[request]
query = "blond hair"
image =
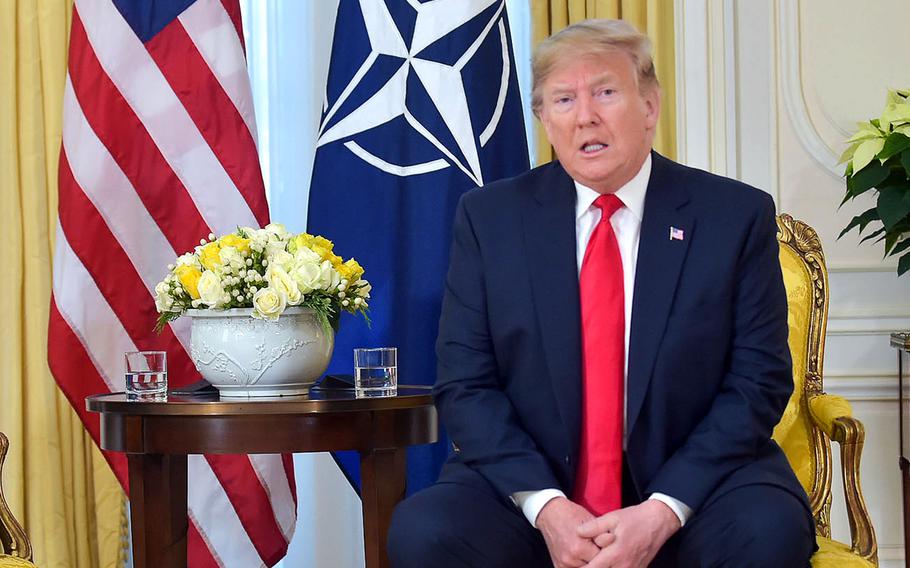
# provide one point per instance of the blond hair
(592, 37)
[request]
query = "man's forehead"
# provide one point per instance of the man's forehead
(589, 79)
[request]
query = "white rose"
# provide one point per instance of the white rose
(282, 282)
(281, 258)
(329, 277)
(188, 259)
(230, 256)
(258, 239)
(306, 255)
(307, 276)
(211, 293)
(268, 304)
(163, 299)
(275, 247)
(278, 230)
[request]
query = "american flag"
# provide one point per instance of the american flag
(159, 149)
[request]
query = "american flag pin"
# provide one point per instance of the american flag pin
(676, 234)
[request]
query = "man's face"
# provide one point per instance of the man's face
(600, 124)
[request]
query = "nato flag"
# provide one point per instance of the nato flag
(422, 104)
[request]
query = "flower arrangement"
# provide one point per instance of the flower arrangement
(267, 270)
(878, 157)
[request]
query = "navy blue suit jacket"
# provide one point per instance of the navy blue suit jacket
(709, 369)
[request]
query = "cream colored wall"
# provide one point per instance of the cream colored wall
(768, 91)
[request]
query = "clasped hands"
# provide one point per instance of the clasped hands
(625, 538)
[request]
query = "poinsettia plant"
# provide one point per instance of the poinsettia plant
(878, 159)
(268, 270)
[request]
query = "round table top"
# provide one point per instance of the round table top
(318, 401)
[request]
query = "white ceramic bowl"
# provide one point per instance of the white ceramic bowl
(247, 357)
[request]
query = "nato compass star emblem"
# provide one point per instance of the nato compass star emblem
(442, 81)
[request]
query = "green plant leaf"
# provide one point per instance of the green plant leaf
(848, 153)
(894, 114)
(872, 235)
(900, 247)
(866, 152)
(905, 161)
(860, 221)
(893, 205)
(894, 144)
(903, 265)
(865, 131)
(867, 178)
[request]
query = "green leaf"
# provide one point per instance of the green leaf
(901, 247)
(866, 152)
(848, 153)
(867, 178)
(894, 113)
(903, 265)
(893, 205)
(860, 221)
(905, 161)
(894, 144)
(872, 235)
(865, 131)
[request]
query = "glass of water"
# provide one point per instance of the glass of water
(376, 372)
(146, 375)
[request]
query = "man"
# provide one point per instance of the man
(612, 349)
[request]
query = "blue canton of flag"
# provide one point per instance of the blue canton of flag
(422, 104)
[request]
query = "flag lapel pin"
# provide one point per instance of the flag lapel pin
(676, 234)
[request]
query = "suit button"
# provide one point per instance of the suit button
(568, 460)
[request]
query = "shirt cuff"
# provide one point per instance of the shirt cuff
(682, 511)
(531, 502)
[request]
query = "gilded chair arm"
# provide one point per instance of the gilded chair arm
(13, 540)
(833, 415)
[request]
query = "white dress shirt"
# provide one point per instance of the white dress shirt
(626, 223)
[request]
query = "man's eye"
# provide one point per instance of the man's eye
(563, 100)
(607, 92)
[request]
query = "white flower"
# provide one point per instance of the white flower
(363, 289)
(329, 277)
(188, 259)
(282, 282)
(281, 258)
(163, 299)
(268, 304)
(307, 276)
(211, 292)
(278, 230)
(231, 257)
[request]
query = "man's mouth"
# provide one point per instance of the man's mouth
(593, 147)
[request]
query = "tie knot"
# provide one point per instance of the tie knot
(608, 204)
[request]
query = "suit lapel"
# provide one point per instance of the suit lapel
(660, 260)
(549, 227)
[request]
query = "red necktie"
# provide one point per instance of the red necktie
(598, 481)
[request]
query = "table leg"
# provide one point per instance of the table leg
(382, 476)
(158, 509)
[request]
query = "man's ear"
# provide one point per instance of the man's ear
(652, 106)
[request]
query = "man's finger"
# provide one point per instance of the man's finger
(600, 525)
(604, 540)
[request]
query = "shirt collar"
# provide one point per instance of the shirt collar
(632, 194)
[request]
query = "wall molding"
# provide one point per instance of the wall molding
(859, 388)
(791, 87)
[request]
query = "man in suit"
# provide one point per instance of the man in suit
(612, 349)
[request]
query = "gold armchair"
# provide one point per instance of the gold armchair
(812, 418)
(15, 549)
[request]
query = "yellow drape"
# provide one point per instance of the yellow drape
(652, 17)
(56, 480)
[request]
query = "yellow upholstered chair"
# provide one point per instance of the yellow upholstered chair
(15, 549)
(812, 418)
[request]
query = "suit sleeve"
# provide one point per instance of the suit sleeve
(758, 382)
(475, 410)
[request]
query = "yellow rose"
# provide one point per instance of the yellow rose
(239, 243)
(189, 278)
(351, 270)
(268, 304)
(323, 242)
(210, 256)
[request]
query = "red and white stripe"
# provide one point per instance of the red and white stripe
(159, 149)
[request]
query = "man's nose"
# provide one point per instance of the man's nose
(586, 113)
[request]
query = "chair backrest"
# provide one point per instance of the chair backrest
(13, 540)
(806, 280)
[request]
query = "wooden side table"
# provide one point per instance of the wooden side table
(901, 341)
(157, 436)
